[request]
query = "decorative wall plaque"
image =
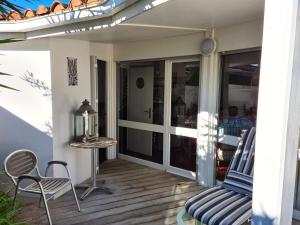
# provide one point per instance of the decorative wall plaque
(72, 71)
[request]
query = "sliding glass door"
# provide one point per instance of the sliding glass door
(158, 109)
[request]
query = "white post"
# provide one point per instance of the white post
(278, 115)
(207, 121)
(111, 100)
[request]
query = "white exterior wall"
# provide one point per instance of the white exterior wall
(276, 145)
(26, 115)
(240, 36)
(158, 48)
(66, 100)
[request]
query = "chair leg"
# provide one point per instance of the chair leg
(46, 206)
(75, 196)
(40, 201)
(15, 197)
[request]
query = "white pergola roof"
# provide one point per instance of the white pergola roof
(138, 19)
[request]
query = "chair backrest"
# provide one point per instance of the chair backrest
(243, 159)
(19, 163)
(239, 177)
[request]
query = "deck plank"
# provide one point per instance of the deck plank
(142, 195)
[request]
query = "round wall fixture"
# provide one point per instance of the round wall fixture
(208, 46)
(140, 82)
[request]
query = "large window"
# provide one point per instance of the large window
(238, 103)
(239, 92)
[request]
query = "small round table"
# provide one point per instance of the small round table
(99, 142)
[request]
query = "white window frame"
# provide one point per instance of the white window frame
(180, 131)
(166, 129)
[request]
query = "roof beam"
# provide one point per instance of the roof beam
(12, 35)
(163, 27)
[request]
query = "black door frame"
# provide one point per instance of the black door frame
(102, 105)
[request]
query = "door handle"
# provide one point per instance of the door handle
(149, 112)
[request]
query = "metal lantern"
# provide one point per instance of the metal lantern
(85, 123)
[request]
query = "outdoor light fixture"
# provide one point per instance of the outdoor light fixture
(85, 123)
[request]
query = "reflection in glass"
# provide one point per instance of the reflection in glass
(141, 144)
(142, 91)
(239, 92)
(297, 183)
(183, 152)
(297, 189)
(185, 89)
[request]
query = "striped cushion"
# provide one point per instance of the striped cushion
(243, 159)
(219, 206)
(230, 203)
(238, 182)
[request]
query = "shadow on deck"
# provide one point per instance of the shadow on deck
(142, 195)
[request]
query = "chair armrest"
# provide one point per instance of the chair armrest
(63, 163)
(57, 162)
(30, 177)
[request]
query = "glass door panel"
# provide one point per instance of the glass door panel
(142, 92)
(141, 144)
(141, 109)
(184, 112)
(183, 152)
(185, 90)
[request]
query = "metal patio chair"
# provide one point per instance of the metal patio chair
(21, 164)
(231, 202)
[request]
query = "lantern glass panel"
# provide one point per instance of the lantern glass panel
(92, 128)
(79, 127)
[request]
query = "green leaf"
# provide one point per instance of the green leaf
(6, 6)
(8, 40)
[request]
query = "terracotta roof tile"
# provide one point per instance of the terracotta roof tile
(14, 15)
(29, 13)
(91, 2)
(76, 3)
(42, 10)
(56, 7)
(2, 17)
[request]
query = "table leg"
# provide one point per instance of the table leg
(93, 186)
(94, 165)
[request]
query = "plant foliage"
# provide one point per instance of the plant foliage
(7, 214)
(7, 5)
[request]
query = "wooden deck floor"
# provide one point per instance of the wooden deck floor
(142, 195)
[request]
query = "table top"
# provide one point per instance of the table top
(99, 142)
